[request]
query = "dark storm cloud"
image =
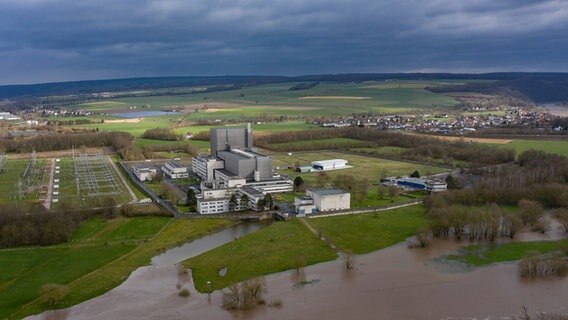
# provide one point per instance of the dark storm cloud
(49, 40)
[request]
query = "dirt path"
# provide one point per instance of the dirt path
(322, 238)
(47, 203)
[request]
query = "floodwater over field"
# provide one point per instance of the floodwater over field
(393, 283)
(144, 114)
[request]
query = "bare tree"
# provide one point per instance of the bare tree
(245, 295)
(349, 260)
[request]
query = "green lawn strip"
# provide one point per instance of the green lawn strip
(480, 255)
(107, 276)
(361, 166)
(97, 229)
(88, 229)
(27, 270)
(324, 144)
(363, 233)
(549, 146)
(273, 249)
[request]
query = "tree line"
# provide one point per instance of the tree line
(166, 134)
(53, 142)
(537, 176)
(36, 226)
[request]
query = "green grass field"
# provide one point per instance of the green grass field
(362, 166)
(323, 144)
(29, 191)
(100, 256)
(480, 255)
(273, 249)
(550, 146)
(364, 233)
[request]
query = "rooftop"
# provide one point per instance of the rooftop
(329, 161)
(328, 191)
(252, 191)
(174, 164)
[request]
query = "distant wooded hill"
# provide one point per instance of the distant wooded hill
(539, 87)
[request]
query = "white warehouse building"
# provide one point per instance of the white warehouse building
(329, 164)
(329, 199)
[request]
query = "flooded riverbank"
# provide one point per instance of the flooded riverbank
(393, 283)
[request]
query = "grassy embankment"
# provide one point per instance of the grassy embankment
(368, 232)
(481, 255)
(273, 249)
(284, 245)
(100, 255)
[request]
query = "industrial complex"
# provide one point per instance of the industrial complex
(234, 175)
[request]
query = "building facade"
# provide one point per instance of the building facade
(322, 200)
(144, 173)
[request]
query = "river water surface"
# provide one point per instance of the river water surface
(393, 283)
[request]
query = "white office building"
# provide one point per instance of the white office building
(144, 173)
(175, 170)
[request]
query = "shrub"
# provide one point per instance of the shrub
(53, 294)
(184, 293)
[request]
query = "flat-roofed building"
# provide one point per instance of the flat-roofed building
(175, 170)
(433, 185)
(143, 172)
(330, 199)
(304, 205)
(332, 164)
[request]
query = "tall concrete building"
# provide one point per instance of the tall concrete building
(235, 167)
(224, 139)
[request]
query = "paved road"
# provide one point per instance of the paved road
(359, 211)
(157, 200)
(121, 176)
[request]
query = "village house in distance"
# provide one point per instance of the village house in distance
(234, 176)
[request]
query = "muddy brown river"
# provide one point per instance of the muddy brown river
(393, 283)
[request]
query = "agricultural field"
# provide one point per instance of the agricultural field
(102, 253)
(333, 143)
(368, 232)
(551, 146)
(277, 99)
(361, 166)
(279, 247)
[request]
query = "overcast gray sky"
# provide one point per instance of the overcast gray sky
(57, 40)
